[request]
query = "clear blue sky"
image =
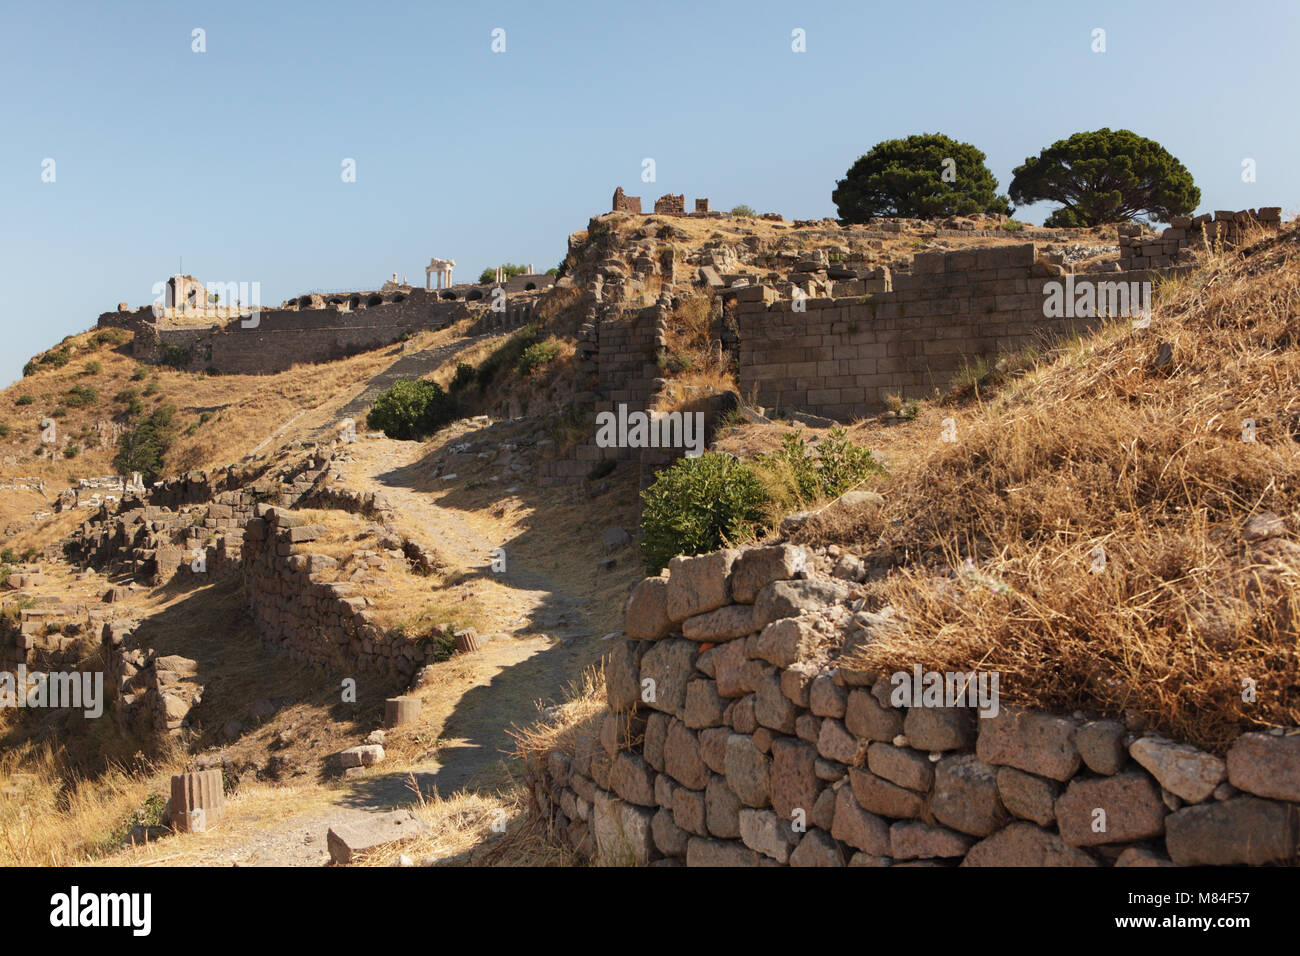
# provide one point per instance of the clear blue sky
(231, 158)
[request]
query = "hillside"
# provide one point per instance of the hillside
(1089, 515)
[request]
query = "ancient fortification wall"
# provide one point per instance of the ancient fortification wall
(324, 624)
(842, 356)
(739, 732)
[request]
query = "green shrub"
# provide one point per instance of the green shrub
(176, 356)
(30, 368)
(26, 400)
(92, 368)
(140, 374)
(463, 378)
(699, 505)
(745, 212)
(59, 412)
(109, 337)
(56, 358)
(795, 477)
(151, 388)
(489, 275)
(80, 396)
(537, 355)
(412, 409)
(507, 356)
(144, 448)
(72, 451)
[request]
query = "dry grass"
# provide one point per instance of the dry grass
(1107, 448)
(58, 818)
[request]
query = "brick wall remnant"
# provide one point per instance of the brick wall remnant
(671, 205)
(625, 203)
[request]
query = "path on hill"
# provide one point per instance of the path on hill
(411, 365)
(553, 641)
(545, 641)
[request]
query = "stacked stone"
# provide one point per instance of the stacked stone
(735, 734)
(324, 624)
(1173, 245)
(841, 357)
(149, 696)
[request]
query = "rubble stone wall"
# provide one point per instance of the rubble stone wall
(325, 624)
(738, 732)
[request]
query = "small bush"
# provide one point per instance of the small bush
(140, 374)
(80, 396)
(745, 212)
(72, 451)
(412, 409)
(57, 358)
(795, 478)
(489, 274)
(92, 368)
(59, 412)
(507, 356)
(109, 337)
(176, 356)
(4, 431)
(151, 388)
(26, 400)
(537, 355)
(463, 378)
(699, 505)
(30, 368)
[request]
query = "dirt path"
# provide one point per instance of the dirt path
(543, 640)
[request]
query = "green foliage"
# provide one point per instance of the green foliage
(151, 389)
(144, 448)
(795, 477)
(56, 358)
(130, 397)
(176, 356)
(537, 355)
(412, 409)
(71, 451)
(743, 211)
(109, 337)
(1106, 176)
(489, 275)
(59, 412)
(4, 431)
(463, 378)
(507, 356)
(140, 374)
(699, 505)
(80, 396)
(30, 368)
(906, 177)
(26, 400)
(92, 367)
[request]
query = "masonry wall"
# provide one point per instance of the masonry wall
(842, 356)
(738, 732)
(326, 625)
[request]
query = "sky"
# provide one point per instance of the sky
(231, 161)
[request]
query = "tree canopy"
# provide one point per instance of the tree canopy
(925, 176)
(1106, 176)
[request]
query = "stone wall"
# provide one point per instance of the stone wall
(150, 696)
(841, 357)
(326, 625)
(1139, 251)
(739, 732)
(671, 205)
